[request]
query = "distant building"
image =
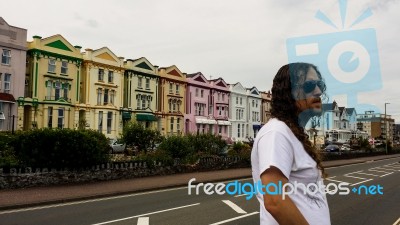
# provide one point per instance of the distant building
(377, 125)
(220, 107)
(265, 107)
(12, 73)
(238, 112)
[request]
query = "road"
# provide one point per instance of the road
(175, 206)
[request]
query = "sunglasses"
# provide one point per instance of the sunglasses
(309, 86)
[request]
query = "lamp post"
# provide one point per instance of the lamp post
(386, 130)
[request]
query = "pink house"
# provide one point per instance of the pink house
(198, 117)
(220, 106)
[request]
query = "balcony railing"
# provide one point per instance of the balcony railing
(56, 98)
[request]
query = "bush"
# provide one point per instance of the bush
(177, 147)
(141, 138)
(207, 144)
(61, 148)
(7, 153)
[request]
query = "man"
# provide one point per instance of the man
(282, 155)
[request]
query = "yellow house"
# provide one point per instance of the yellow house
(51, 84)
(172, 100)
(101, 92)
(141, 92)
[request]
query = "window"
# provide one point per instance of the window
(197, 92)
(219, 96)
(219, 129)
(172, 124)
(99, 96)
(109, 122)
(52, 66)
(100, 122)
(139, 84)
(178, 126)
(101, 75)
(57, 90)
(240, 101)
(50, 117)
(173, 105)
(6, 57)
(106, 96)
(60, 123)
(201, 93)
(49, 86)
(238, 134)
(143, 101)
(138, 101)
(177, 89)
(112, 96)
(237, 100)
(64, 67)
(223, 97)
(147, 83)
(170, 88)
(252, 103)
(110, 76)
(169, 105)
(66, 86)
(7, 83)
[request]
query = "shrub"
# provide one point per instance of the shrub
(61, 148)
(7, 153)
(139, 137)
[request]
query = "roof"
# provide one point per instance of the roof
(350, 110)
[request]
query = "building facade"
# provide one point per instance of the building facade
(198, 118)
(265, 107)
(238, 112)
(100, 96)
(141, 92)
(12, 73)
(219, 107)
(172, 101)
(51, 85)
(377, 125)
(254, 111)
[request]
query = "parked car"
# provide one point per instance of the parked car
(345, 147)
(116, 146)
(332, 148)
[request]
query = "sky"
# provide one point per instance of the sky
(240, 41)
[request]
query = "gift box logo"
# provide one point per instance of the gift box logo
(348, 60)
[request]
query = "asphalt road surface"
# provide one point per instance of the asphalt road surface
(364, 204)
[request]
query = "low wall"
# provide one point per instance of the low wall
(32, 177)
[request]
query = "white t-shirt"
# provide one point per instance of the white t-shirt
(276, 145)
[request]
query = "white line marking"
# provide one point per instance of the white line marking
(146, 214)
(379, 171)
(397, 222)
(361, 182)
(240, 195)
(386, 174)
(88, 201)
(143, 221)
(381, 168)
(234, 218)
(369, 174)
(360, 178)
(330, 179)
(234, 207)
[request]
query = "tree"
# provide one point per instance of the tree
(137, 136)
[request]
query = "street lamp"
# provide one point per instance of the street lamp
(386, 135)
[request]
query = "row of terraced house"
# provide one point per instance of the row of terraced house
(48, 82)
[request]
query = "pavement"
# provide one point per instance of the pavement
(37, 196)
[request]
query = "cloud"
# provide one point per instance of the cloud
(92, 23)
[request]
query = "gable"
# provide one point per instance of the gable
(200, 79)
(144, 65)
(239, 88)
(106, 56)
(59, 45)
(254, 92)
(221, 84)
(174, 73)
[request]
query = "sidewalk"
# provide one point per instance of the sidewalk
(19, 198)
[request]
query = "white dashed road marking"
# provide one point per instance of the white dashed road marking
(146, 214)
(397, 222)
(143, 221)
(234, 218)
(234, 207)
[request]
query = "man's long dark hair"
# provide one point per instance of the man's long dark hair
(284, 108)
